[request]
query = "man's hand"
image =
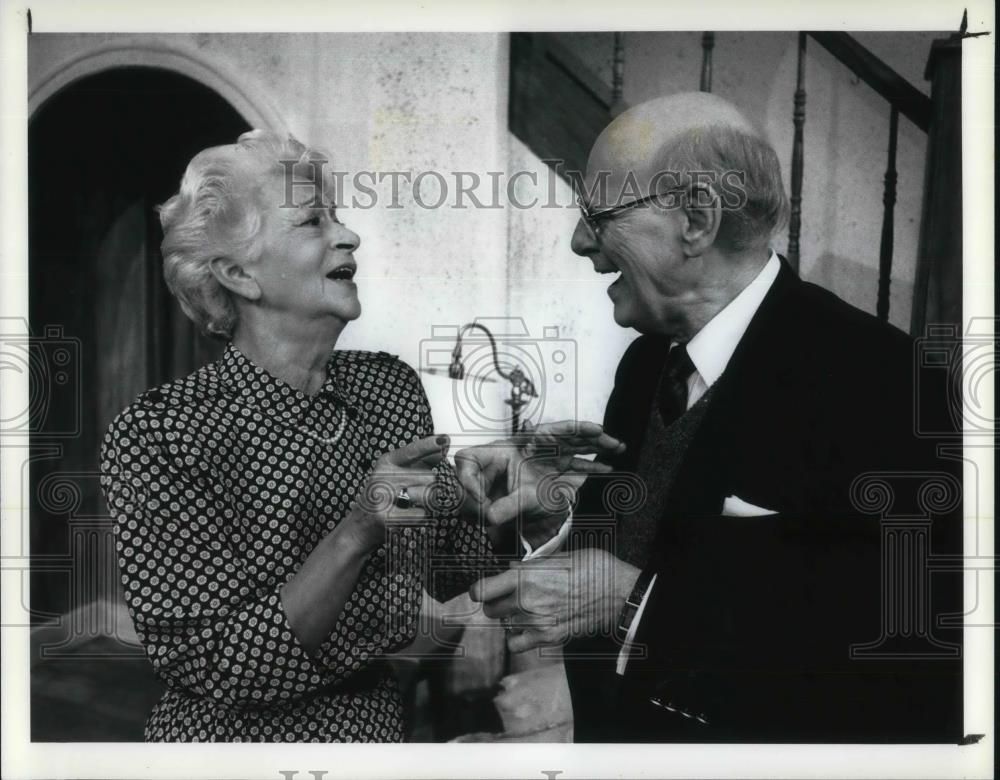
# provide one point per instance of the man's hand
(534, 475)
(551, 600)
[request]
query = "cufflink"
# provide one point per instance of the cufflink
(671, 707)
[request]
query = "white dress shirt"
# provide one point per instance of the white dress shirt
(710, 350)
(552, 545)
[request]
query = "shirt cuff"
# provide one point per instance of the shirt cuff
(552, 545)
(626, 650)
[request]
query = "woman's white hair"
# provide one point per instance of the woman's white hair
(216, 213)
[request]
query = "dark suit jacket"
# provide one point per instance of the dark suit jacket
(749, 629)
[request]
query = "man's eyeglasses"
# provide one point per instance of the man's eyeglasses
(595, 219)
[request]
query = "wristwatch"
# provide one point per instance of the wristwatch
(632, 604)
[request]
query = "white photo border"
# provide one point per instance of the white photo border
(21, 758)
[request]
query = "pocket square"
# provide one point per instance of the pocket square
(734, 506)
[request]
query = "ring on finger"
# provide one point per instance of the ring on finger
(403, 499)
(506, 624)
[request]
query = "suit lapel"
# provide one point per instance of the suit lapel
(745, 390)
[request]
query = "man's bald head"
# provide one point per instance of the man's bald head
(636, 139)
(689, 132)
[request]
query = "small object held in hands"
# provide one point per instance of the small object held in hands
(403, 500)
(505, 623)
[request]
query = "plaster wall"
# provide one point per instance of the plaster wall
(412, 103)
(380, 103)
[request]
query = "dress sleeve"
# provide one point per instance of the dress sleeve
(461, 552)
(207, 626)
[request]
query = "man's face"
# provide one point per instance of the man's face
(642, 246)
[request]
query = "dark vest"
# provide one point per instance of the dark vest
(660, 458)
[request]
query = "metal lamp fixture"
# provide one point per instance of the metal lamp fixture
(521, 387)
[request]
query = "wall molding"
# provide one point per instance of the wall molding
(155, 54)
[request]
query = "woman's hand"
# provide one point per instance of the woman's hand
(314, 598)
(410, 468)
(535, 475)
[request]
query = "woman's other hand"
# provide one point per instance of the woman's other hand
(408, 473)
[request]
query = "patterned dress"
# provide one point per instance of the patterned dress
(221, 484)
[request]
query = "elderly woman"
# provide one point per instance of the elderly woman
(252, 498)
(278, 513)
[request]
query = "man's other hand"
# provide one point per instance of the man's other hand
(547, 601)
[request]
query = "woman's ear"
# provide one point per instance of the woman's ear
(232, 275)
(702, 217)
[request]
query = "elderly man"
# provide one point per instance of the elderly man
(742, 597)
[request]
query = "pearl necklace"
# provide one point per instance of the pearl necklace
(328, 440)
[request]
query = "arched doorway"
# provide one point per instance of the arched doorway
(102, 153)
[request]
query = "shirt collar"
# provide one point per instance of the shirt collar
(711, 347)
(261, 389)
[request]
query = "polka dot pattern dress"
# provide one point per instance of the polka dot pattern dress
(221, 484)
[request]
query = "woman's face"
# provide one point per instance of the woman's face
(306, 265)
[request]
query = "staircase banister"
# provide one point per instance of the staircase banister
(900, 93)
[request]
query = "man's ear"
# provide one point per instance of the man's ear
(702, 217)
(233, 276)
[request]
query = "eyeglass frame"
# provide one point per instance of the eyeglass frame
(592, 219)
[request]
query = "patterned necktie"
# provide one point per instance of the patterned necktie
(673, 395)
